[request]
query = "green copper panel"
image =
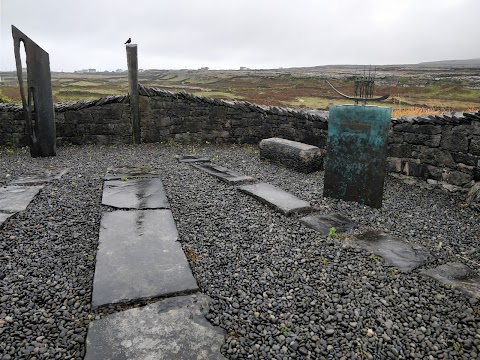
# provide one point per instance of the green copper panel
(357, 153)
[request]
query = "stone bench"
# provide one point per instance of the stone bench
(292, 154)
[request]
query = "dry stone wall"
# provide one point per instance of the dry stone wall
(441, 149)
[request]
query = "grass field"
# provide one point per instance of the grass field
(413, 91)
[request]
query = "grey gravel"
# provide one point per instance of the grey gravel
(278, 287)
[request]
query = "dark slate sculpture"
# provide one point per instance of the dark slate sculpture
(38, 108)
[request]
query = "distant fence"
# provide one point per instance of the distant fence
(443, 148)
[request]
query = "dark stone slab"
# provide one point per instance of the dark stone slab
(192, 158)
(4, 217)
(17, 198)
(36, 95)
(394, 251)
(139, 257)
(323, 223)
(140, 193)
(357, 153)
(130, 172)
(292, 154)
(174, 328)
(276, 198)
(40, 177)
(223, 173)
(458, 276)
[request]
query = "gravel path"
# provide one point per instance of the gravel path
(279, 289)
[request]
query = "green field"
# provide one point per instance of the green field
(412, 89)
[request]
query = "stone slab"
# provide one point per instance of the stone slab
(140, 193)
(130, 172)
(174, 328)
(458, 276)
(292, 154)
(224, 174)
(356, 158)
(40, 177)
(17, 198)
(276, 198)
(4, 217)
(139, 258)
(394, 251)
(323, 223)
(192, 158)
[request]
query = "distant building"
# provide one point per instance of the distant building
(244, 68)
(92, 70)
(119, 70)
(204, 68)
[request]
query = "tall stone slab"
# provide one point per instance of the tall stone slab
(37, 98)
(357, 153)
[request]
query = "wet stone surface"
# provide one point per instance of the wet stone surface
(174, 328)
(17, 198)
(224, 174)
(40, 177)
(139, 257)
(136, 193)
(4, 217)
(130, 172)
(192, 158)
(394, 251)
(276, 198)
(323, 223)
(458, 276)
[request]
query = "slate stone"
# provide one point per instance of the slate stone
(223, 173)
(458, 276)
(292, 154)
(276, 198)
(191, 158)
(40, 177)
(323, 223)
(4, 217)
(17, 198)
(394, 251)
(140, 193)
(174, 328)
(139, 257)
(130, 172)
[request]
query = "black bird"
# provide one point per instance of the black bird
(128, 41)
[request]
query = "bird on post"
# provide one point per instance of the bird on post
(128, 41)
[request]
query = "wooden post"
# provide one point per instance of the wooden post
(132, 62)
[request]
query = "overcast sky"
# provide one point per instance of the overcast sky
(227, 34)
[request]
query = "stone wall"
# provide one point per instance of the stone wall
(442, 149)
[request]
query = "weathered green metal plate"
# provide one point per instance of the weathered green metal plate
(357, 153)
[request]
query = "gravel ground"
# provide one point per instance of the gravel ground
(279, 289)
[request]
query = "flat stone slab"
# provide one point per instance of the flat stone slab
(4, 217)
(323, 223)
(139, 258)
(458, 276)
(394, 251)
(174, 328)
(17, 198)
(276, 198)
(292, 154)
(40, 177)
(192, 158)
(135, 193)
(130, 172)
(223, 173)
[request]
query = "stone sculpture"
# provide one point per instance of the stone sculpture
(37, 98)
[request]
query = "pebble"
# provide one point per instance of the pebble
(285, 290)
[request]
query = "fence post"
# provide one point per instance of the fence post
(132, 62)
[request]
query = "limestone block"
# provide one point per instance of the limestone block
(295, 155)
